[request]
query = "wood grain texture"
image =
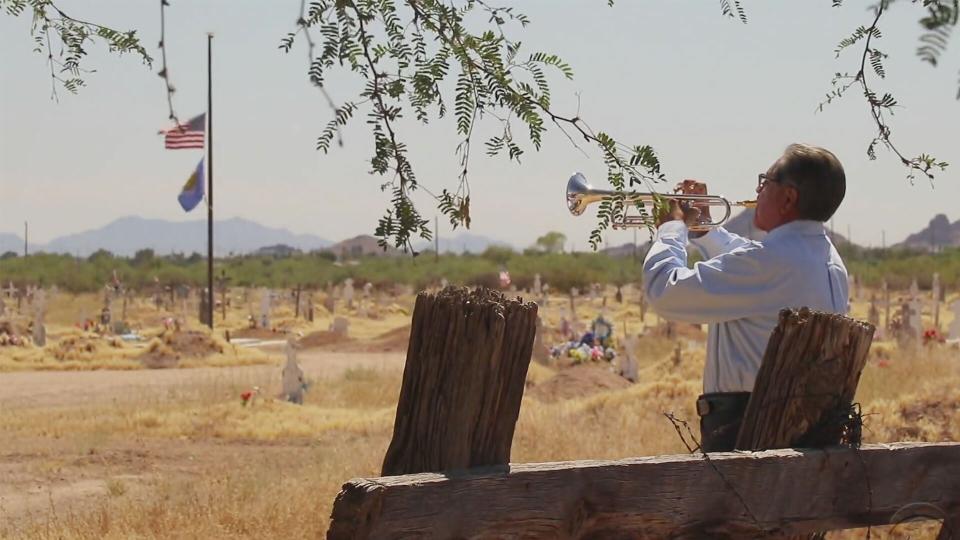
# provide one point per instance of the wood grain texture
(808, 377)
(463, 381)
(788, 491)
(950, 530)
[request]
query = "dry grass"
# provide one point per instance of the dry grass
(345, 425)
(212, 468)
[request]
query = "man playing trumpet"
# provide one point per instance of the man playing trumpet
(741, 286)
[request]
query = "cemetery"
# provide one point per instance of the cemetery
(309, 378)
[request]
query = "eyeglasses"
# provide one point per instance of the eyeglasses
(763, 179)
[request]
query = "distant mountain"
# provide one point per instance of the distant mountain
(938, 233)
(126, 235)
(463, 242)
(11, 242)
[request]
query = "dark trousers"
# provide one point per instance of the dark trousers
(721, 414)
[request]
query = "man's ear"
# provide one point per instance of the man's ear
(791, 199)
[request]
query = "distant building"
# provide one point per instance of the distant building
(362, 246)
(278, 250)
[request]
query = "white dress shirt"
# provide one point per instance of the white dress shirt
(740, 289)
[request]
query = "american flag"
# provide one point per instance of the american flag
(189, 135)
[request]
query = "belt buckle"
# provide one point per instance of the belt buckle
(703, 406)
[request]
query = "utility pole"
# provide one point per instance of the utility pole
(25, 236)
(883, 239)
(436, 238)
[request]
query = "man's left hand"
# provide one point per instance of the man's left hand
(676, 211)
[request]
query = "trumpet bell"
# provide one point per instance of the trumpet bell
(577, 190)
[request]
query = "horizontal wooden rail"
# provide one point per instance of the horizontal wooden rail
(742, 494)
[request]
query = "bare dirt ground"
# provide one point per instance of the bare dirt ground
(66, 388)
(49, 476)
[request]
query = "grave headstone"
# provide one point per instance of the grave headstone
(265, 302)
(935, 293)
(540, 353)
(915, 319)
(954, 329)
(914, 289)
(566, 329)
(340, 327)
(330, 303)
(40, 311)
(444, 283)
(292, 377)
(886, 305)
(537, 285)
(627, 359)
(873, 314)
(574, 292)
(348, 292)
(367, 289)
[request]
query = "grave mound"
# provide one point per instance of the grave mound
(166, 350)
(578, 381)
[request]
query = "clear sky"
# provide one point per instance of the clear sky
(717, 99)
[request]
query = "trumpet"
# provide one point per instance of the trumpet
(580, 195)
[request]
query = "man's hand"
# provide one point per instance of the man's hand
(679, 211)
(695, 187)
(691, 214)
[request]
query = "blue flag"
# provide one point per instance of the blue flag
(192, 192)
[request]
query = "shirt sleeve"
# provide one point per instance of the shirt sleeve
(744, 282)
(719, 241)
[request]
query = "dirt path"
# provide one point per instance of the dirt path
(65, 388)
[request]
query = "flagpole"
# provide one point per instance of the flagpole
(210, 181)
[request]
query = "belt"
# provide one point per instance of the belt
(718, 402)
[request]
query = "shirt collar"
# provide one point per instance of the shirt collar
(799, 227)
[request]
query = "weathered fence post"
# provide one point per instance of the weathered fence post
(804, 390)
(463, 381)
